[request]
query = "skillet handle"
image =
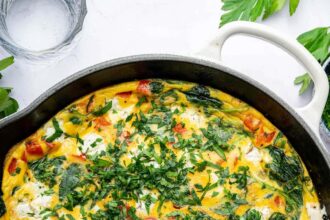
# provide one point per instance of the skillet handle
(312, 112)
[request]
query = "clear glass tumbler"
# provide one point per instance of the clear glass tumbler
(40, 30)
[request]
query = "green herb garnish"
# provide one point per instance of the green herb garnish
(8, 105)
(58, 131)
(102, 110)
(251, 10)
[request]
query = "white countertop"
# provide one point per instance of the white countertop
(115, 28)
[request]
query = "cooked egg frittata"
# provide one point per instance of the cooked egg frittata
(157, 149)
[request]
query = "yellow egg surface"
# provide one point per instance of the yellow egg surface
(157, 149)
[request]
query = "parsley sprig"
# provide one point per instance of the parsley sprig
(8, 105)
(251, 10)
(316, 41)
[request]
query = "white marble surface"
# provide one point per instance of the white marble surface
(128, 27)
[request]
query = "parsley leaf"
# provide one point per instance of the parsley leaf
(252, 214)
(277, 216)
(47, 169)
(293, 6)
(4, 63)
(103, 110)
(58, 131)
(240, 178)
(8, 105)
(251, 10)
(305, 81)
(316, 41)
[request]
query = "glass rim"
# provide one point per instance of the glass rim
(19, 51)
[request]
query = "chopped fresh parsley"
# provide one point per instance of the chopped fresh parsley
(228, 208)
(277, 216)
(46, 170)
(252, 214)
(58, 131)
(102, 110)
(75, 120)
(240, 177)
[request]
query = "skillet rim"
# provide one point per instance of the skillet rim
(165, 57)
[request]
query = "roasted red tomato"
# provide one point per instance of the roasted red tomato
(81, 157)
(178, 128)
(124, 95)
(144, 87)
(50, 145)
(263, 138)
(278, 201)
(101, 122)
(252, 123)
(12, 166)
(33, 148)
(24, 157)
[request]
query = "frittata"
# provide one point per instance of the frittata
(157, 149)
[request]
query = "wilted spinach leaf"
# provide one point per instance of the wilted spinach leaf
(283, 168)
(200, 95)
(288, 172)
(156, 87)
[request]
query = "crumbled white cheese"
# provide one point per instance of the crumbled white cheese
(39, 202)
(22, 209)
(153, 164)
(133, 153)
(254, 155)
(117, 112)
(194, 117)
(214, 177)
(93, 144)
(314, 211)
(265, 212)
(95, 208)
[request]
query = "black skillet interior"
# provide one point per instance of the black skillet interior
(19, 129)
